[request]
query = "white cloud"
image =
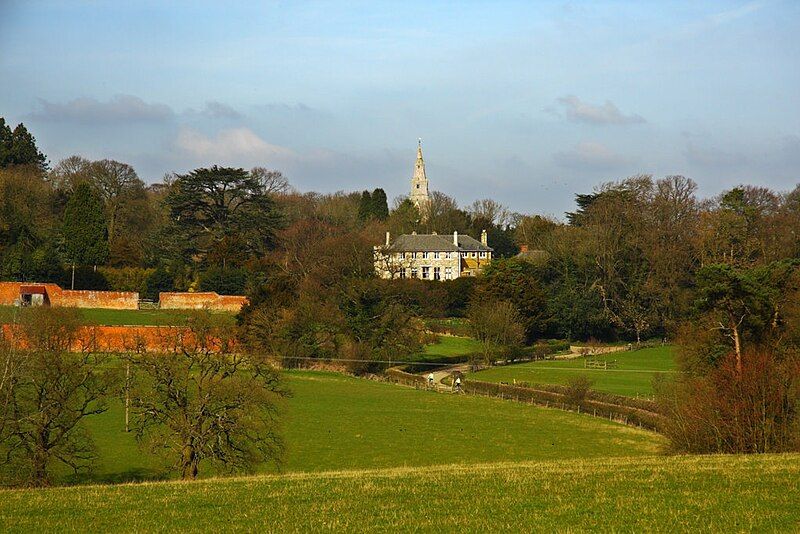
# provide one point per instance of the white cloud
(121, 108)
(590, 155)
(608, 113)
(235, 146)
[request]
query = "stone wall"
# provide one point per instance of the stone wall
(201, 301)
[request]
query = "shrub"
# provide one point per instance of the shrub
(127, 278)
(755, 410)
(224, 281)
(578, 388)
(86, 278)
(159, 281)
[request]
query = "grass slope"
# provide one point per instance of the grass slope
(337, 422)
(632, 376)
(666, 494)
(101, 316)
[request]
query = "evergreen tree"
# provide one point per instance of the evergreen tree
(85, 231)
(365, 206)
(19, 147)
(379, 205)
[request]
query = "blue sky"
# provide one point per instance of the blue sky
(524, 102)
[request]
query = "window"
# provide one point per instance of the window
(463, 254)
(471, 254)
(447, 255)
(483, 254)
(402, 273)
(448, 273)
(437, 273)
(414, 255)
(413, 272)
(426, 273)
(435, 255)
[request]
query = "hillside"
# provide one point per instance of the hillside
(336, 422)
(631, 374)
(663, 494)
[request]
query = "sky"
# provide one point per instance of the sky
(524, 102)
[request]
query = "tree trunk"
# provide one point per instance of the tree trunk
(188, 463)
(737, 347)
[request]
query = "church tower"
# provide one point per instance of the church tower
(419, 184)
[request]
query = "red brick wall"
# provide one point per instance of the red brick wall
(199, 301)
(120, 338)
(9, 292)
(118, 300)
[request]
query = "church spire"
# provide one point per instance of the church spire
(419, 183)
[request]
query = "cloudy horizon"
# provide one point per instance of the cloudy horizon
(527, 104)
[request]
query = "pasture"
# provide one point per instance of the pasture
(632, 375)
(654, 494)
(336, 422)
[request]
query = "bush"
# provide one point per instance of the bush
(159, 281)
(755, 410)
(127, 278)
(224, 281)
(577, 388)
(86, 278)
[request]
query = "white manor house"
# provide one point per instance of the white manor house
(430, 256)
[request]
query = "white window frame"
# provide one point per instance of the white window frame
(437, 273)
(414, 272)
(426, 271)
(435, 255)
(483, 254)
(448, 273)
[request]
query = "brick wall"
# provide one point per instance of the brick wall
(120, 338)
(199, 301)
(118, 300)
(9, 293)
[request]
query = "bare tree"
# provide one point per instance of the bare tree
(51, 393)
(207, 401)
(496, 325)
(272, 181)
(115, 181)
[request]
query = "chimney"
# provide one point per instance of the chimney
(387, 239)
(484, 238)
(455, 237)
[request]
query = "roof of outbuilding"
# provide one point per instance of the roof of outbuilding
(437, 243)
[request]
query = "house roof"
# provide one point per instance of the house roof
(437, 243)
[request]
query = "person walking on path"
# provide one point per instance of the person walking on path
(430, 380)
(457, 384)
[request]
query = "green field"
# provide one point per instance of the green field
(100, 316)
(633, 375)
(449, 346)
(337, 422)
(656, 494)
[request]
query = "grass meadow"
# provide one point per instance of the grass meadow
(336, 422)
(654, 494)
(107, 317)
(632, 376)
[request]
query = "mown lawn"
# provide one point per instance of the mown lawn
(663, 494)
(99, 316)
(337, 422)
(633, 375)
